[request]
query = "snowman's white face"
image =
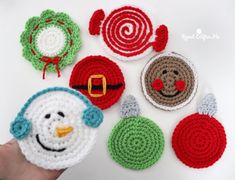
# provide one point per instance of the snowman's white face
(59, 138)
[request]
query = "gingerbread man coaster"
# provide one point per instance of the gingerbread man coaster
(199, 140)
(98, 78)
(50, 41)
(127, 33)
(169, 81)
(135, 142)
(56, 128)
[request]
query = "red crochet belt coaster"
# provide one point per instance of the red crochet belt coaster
(127, 33)
(98, 78)
(199, 140)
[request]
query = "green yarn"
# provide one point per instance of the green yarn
(31, 30)
(136, 143)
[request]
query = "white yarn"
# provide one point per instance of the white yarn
(208, 105)
(78, 143)
(168, 108)
(129, 107)
(124, 58)
(50, 41)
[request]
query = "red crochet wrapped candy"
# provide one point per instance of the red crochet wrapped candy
(127, 32)
(199, 140)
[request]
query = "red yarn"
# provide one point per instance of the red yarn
(161, 38)
(95, 22)
(98, 65)
(157, 85)
(120, 38)
(199, 140)
(49, 60)
(127, 31)
(180, 85)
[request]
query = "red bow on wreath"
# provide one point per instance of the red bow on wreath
(55, 60)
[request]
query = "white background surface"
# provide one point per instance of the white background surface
(214, 60)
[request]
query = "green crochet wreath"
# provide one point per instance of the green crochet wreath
(136, 143)
(62, 24)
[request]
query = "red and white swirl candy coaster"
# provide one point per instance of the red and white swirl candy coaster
(98, 78)
(127, 33)
(199, 140)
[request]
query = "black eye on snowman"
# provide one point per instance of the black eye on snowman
(47, 116)
(61, 114)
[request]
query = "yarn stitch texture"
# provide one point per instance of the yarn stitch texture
(50, 41)
(169, 81)
(135, 142)
(199, 140)
(64, 126)
(99, 79)
(127, 33)
(92, 117)
(129, 107)
(208, 105)
(20, 128)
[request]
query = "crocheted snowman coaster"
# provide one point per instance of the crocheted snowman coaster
(127, 33)
(50, 41)
(169, 81)
(100, 79)
(56, 128)
(135, 142)
(199, 140)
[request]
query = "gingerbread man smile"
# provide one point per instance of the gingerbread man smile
(171, 84)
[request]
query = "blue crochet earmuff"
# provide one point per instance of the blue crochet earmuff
(21, 127)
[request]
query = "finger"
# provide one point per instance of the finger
(12, 142)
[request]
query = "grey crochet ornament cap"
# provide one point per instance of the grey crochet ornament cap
(208, 105)
(129, 107)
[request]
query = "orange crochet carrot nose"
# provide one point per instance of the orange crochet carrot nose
(61, 132)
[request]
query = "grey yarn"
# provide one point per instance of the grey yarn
(208, 105)
(129, 107)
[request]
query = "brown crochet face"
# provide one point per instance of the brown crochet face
(168, 80)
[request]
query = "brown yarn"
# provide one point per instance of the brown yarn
(169, 69)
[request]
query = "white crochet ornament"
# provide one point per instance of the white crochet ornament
(61, 135)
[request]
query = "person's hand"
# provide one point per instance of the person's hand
(13, 165)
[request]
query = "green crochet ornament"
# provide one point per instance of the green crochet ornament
(50, 41)
(135, 142)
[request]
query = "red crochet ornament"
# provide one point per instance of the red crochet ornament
(128, 32)
(199, 140)
(98, 78)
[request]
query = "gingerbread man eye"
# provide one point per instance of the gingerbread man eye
(176, 72)
(47, 116)
(164, 71)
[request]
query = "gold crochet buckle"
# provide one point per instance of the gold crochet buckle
(104, 85)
